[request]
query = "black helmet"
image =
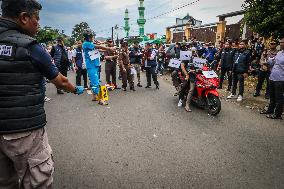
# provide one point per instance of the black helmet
(88, 34)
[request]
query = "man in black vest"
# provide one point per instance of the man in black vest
(60, 57)
(25, 154)
(135, 56)
(80, 65)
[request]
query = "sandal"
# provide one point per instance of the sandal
(273, 117)
(187, 109)
(103, 103)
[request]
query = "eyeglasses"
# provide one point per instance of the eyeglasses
(272, 43)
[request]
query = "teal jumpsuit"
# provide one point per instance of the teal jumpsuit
(93, 67)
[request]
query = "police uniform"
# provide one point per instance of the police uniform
(110, 68)
(126, 76)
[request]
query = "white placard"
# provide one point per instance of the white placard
(209, 74)
(133, 71)
(94, 54)
(199, 62)
(174, 63)
(185, 55)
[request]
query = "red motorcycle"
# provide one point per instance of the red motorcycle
(205, 94)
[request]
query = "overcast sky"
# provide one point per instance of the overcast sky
(101, 15)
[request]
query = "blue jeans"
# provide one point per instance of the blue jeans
(160, 67)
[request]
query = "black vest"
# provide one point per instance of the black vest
(21, 100)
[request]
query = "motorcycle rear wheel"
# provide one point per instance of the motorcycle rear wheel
(214, 105)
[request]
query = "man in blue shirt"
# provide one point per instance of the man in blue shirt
(91, 53)
(24, 145)
(276, 84)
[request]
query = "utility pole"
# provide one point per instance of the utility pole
(112, 33)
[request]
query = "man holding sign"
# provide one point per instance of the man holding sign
(92, 57)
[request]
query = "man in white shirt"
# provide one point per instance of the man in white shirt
(71, 53)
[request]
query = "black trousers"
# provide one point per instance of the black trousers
(238, 78)
(151, 71)
(276, 97)
(63, 70)
(79, 73)
(263, 75)
(227, 71)
(184, 89)
(110, 71)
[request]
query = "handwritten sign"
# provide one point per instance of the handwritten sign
(174, 63)
(133, 71)
(185, 55)
(209, 74)
(199, 62)
(94, 54)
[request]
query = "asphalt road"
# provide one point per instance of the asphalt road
(143, 140)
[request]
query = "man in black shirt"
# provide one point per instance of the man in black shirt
(25, 154)
(226, 64)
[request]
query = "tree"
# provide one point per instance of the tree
(265, 17)
(47, 34)
(77, 33)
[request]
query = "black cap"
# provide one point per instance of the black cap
(88, 33)
(59, 39)
(109, 40)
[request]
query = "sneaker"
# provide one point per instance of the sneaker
(139, 85)
(240, 98)
(231, 96)
(60, 92)
(161, 74)
(147, 87)
(180, 103)
(46, 99)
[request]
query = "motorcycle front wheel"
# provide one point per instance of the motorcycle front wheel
(214, 105)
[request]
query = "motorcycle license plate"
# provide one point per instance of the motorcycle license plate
(209, 74)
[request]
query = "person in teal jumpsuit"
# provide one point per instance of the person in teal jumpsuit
(93, 63)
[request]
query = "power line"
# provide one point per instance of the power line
(175, 9)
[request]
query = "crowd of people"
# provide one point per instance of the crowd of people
(236, 61)
(233, 60)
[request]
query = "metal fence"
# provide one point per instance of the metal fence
(204, 34)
